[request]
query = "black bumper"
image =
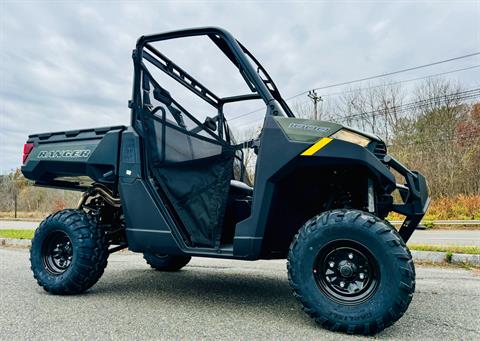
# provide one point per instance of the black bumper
(414, 195)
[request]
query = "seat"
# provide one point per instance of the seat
(238, 188)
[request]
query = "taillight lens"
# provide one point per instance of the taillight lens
(27, 148)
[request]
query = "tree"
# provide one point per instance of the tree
(11, 185)
(374, 109)
(440, 138)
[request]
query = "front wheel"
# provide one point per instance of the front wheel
(69, 252)
(351, 271)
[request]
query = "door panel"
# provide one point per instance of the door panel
(193, 170)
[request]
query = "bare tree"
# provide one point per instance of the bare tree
(303, 109)
(374, 109)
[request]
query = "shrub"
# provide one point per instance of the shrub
(460, 207)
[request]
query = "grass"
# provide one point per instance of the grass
(470, 250)
(17, 234)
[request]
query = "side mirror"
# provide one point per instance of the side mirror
(210, 123)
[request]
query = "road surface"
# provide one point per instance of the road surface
(441, 237)
(446, 237)
(18, 224)
(213, 299)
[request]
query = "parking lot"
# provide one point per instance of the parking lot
(213, 299)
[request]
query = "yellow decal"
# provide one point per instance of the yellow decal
(317, 146)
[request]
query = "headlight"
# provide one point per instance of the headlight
(350, 136)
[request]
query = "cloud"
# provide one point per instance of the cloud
(68, 65)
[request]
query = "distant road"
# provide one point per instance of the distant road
(446, 237)
(18, 224)
(432, 237)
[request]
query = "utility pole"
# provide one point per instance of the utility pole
(386, 105)
(15, 203)
(312, 94)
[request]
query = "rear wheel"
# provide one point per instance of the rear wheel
(69, 252)
(166, 262)
(351, 271)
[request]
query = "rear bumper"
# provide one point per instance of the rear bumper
(415, 197)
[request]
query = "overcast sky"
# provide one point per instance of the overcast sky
(68, 66)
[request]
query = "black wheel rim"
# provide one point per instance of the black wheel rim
(57, 252)
(346, 272)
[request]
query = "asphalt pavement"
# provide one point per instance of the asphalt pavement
(432, 237)
(213, 299)
(446, 237)
(18, 224)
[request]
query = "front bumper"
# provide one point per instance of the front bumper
(414, 195)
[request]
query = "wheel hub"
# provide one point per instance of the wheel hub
(57, 252)
(346, 271)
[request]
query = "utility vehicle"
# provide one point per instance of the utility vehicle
(173, 186)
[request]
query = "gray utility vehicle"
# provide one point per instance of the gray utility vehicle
(171, 187)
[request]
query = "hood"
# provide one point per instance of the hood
(305, 130)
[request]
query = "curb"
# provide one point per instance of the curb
(418, 256)
(445, 257)
(22, 243)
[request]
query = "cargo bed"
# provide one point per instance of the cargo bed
(73, 159)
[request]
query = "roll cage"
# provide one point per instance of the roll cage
(255, 76)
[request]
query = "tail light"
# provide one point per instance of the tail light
(27, 148)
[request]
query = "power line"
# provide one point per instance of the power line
(402, 81)
(472, 93)
(462, 95)
(394, 83)
(388, 73)
(365, 88)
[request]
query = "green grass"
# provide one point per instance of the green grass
(17, 234)
(470, 250)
